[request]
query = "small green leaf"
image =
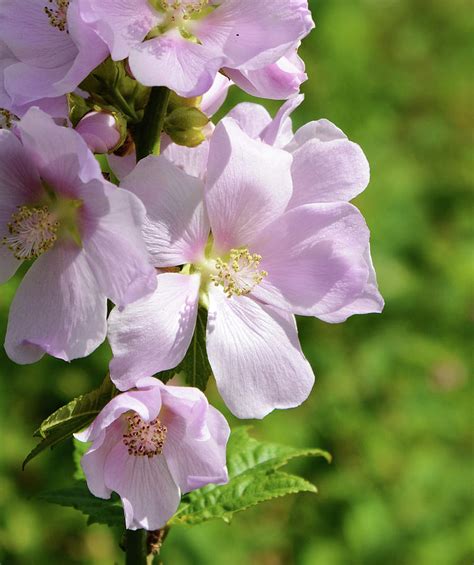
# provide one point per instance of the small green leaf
(80, 448)
(72, 417)
(78, 108)
(98, 510)
(253, 478)
(195, 365)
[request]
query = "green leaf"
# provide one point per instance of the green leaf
(80, 448)
(78, 108)
(195, 365)
(253, 478)
(246, 453)
(72, 417)
(98, 510)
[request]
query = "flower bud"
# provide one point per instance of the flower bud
(185, 124)
(101, 131)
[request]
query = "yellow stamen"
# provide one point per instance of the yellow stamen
(240, 274)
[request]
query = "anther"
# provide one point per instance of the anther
(144, 439)
(6, 119)
(240, 274)
(58, 16)
(31, 232)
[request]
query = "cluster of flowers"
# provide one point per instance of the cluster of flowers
(254, 225)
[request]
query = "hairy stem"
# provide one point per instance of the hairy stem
(149, 131)
(136, 547)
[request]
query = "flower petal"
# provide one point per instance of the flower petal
(323, 129)
(280, 131)
(145, 402)
(248, 185)
(61, 155)
(276, 81)
(176, 227)
(24, 27)
(154, 333)
(252, 118)
(255, 356)
(8, 264)
(19, 179)
(58, 309)
(313, 258)
(191, 160)
(19, 185)
(328, 171)
(93, 461)
(370, 300)
(169, 60)
(196, 462)
(254, 34)
(122, 25)
(111, 235)
(149, 494)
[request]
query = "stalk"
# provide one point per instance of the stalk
(136, 547)
(149, 130)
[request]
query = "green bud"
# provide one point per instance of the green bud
(184, 125)
(186, 118)
(112, 88)
(188, 138)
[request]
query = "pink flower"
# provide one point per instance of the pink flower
(264, 262)
(83, 234)
(151, 445)
(183, 44)
(327, 167)
(100, 131)
(51, 49)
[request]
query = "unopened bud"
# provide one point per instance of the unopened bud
(185, 124)
(101, 131)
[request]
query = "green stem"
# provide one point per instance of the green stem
(136, 547)
(149, 130)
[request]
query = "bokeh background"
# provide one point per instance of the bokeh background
(392, 402)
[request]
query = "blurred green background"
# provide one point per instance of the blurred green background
(392, 401)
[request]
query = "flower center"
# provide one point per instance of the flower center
(177, 14)
(31, 232)
(240, 274)
(144, 438)
(185, 9)
(58, 15)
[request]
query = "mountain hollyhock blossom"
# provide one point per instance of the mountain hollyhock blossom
(182, 44)
(327, 167)
(152, 444)
(83, 234)
(262, 264)
(51, 49)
